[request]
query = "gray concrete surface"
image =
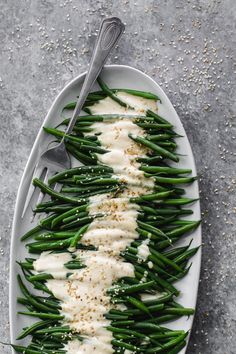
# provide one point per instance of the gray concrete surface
(188, 47)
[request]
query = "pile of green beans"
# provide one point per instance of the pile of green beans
(65, 218)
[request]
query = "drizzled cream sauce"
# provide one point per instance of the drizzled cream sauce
(83, 294)
(143, 250)
(53, 263)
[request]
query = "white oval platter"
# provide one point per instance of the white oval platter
(116, 76)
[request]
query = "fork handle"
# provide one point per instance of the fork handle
(110, 31)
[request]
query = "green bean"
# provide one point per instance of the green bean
(72, 105)
(88, 148)
(167, 334)
(24, 350)
(168, 345)
(33, 328)
(31, 232)
(165, 170)
(171, 180)
(157, 118)
(148, 210)
(92, 190)
(78, 236)
(160, 223)
(83, 124)
(165, 243)
(118, 330)
(162, 283)
(179, 275)
(147, 326)
(89, 118)
(166, 260)
(24, 302)
(42, 315)
(137, 303)
(122, 323)
(44, 188)
(183, 229)
(186, 255)
(161, 151)
(47, 347)
(99, 169)
(49, 203)
(152, 229)
(40, 286)
(121, 344)
(65, 329)
(109, 93)
(55, 209)
(159, 137)
(162, 299)
(54, 304)
(75, 217)
(87, 179)
(86, 159)
(164, 211)
(147, 218)
(110, 316)
(70, 212)
(156, 126)
(180, 201)
(37, 247)
(81, 190)
(30, 298)
(130, 289)
(143, 94)
(180, 223)
(164, 318)
(40, 277)
(30, 260)
(55, 235)
(150, 160)
(25, 265)
(74, 265)
(178, 311)
(169, 145)
(175, 252)
(46, 223)
(78, 222)
(151, 197)
(58, 133)
(136, 312)
(178, 347)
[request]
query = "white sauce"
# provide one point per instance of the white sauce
(83, 295)
(123, 153)
(143, 250)
(140, 104)
(53, 263)
(108, 106)
(84, 300)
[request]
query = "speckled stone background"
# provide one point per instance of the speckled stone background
(188, 47)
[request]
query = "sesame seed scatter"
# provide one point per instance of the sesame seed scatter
(189, 48)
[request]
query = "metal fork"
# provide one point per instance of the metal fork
(57, 158)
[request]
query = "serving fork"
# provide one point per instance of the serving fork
(56, 159)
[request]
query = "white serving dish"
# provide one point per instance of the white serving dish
(117, 76)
